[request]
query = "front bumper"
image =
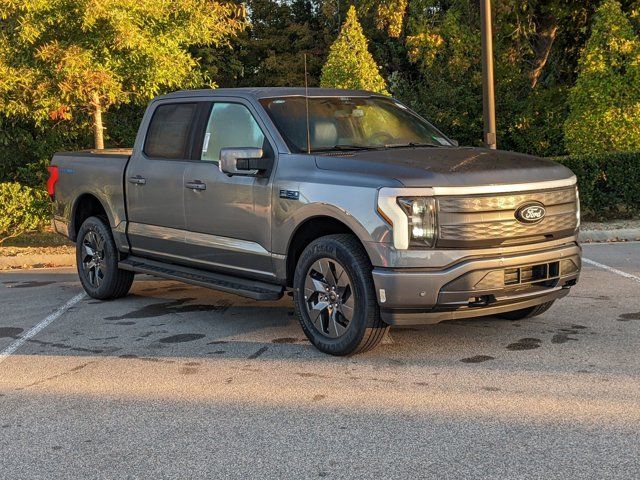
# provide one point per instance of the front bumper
(476, 286)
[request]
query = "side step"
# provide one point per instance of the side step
(225, 283)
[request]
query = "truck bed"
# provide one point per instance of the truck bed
(92, 172)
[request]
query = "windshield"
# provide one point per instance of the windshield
(350, 123)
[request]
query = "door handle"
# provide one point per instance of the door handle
(196, 185)
(138, 180)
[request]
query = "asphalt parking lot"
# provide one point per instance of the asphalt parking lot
(177, 381)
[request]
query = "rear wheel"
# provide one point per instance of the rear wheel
(526, 312)
(97, 261)
(335, 298)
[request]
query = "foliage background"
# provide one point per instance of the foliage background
(605, 101)
(428, 54)
(608, 183)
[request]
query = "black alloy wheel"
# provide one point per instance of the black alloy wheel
(97, 259)
(328, 296)
(334, 296)
(93, 258)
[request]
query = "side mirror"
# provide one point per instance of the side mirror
(455, 142)
(243, 161)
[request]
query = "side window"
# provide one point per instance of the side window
(168, 133)
(230, 125)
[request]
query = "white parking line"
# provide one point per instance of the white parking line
(34, 330)
(611, 269)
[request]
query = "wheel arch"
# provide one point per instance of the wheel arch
(86, 205)
(309, 230)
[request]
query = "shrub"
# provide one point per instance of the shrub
(22, 209)
(609, 183)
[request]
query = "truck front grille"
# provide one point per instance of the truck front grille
(490, 220)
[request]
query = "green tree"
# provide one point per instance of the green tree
(60, 58)
(443, 43)
(536, 49)
(271, 50)
(605, 101)
(350, 65)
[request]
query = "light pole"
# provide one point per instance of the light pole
(488, 94)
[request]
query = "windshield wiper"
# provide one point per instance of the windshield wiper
(410, 145)
(343, 147)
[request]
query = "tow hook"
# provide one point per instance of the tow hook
(482, 301)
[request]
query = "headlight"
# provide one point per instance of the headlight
(412, 214)
(421, 214)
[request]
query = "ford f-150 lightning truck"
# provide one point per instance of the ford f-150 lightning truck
(362, 209)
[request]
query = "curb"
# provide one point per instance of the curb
(618, 235)
(37, 261)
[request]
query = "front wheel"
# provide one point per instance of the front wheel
(97, 261)
(334, 296)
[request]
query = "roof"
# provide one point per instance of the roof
(268, 92)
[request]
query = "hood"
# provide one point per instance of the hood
(446, 167)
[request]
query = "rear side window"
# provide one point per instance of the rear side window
(168, 134)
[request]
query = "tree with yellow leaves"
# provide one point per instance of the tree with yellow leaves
(58, 57)
(350, 64)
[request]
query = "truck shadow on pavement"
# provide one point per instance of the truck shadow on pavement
(162, 319)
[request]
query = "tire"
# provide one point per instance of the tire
(526, 312)
(97, 262)
(348, 320)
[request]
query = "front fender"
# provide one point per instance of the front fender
(352, 206)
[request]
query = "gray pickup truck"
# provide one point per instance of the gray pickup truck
(361, 208)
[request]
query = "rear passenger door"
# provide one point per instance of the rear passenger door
(228, 218)
(155, 182)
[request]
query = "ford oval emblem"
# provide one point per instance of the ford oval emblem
(531, 212)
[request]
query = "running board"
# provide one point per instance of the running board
(225, 283)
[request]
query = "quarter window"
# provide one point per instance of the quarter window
(168, 134)
(230, 125)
